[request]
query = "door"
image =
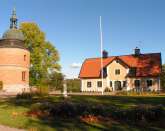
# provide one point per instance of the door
(118, 85)
(137, 86)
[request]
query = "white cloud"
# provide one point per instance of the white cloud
(75, 65)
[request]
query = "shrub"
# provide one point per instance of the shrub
(24, 95)
(107, 89)
(134, 93)
(69, 109)
(64, 110)
(140, 113)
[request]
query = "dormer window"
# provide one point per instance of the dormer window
(132, 71)
(117, 72)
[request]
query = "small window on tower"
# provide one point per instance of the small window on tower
(24, 57)
(23, 75)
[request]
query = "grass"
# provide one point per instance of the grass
(12, 113)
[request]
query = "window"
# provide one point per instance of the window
(117, 72)
(24, 58)
(99, 84)
(23, 75)
(132, 71)
(124, 83)
(110, 84)
(105, 72)
(137, 83)
(117, 61)
(89, 84)
(149, 83)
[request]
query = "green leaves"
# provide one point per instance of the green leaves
(44, 56)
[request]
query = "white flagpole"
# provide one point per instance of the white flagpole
(101, 44)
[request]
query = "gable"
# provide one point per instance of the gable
(117, 65)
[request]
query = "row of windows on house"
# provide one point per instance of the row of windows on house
(137, 83)
(132, 71)
(99, 84)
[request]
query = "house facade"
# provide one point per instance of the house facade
(138, 72)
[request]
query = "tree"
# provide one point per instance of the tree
(44, 57)
(56, 80)
(73, 85)
(163, 77)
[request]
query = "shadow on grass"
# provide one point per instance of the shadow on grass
(76, 124)
(120, 101)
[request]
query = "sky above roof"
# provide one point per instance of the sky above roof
(73, 26)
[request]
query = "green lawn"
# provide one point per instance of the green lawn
(12, 113)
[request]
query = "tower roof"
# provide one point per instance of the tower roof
(13, 32)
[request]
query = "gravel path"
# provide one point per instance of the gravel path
(6, 128)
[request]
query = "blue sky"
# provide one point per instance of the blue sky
(73, 26)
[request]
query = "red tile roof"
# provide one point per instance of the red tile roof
(145, 64)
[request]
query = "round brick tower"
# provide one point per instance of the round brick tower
(14, 59)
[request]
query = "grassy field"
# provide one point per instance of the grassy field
(13, 113)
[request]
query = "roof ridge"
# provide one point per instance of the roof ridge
(123, 55)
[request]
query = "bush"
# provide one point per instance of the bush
(24, 95)
(67, 109)
(134, 93)
(107, 89)
(64, 110)
(140, 113)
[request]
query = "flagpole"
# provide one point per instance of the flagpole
(101, 51)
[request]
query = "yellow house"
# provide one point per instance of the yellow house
(139, 72)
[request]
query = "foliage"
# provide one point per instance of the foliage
(73, 85)
(68, 109)
(43, 90)
(15, 115)
(140, 113)
(134, 93)
(107, 89)
(44, 56)
(24, 95)
(163, 77)
(56, 81)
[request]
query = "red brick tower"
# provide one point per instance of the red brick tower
(14, 59)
